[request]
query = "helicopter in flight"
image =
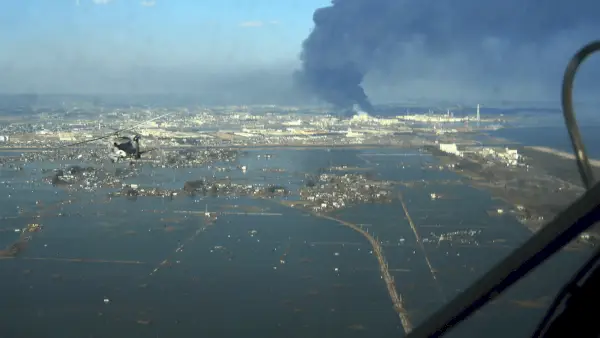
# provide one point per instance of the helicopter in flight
(123, 147)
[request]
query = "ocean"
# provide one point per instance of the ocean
(556, 137)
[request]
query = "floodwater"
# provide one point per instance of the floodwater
(143, 268)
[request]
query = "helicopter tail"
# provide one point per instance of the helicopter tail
(136, 139)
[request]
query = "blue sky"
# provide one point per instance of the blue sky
(463, 50)
(48, 39)
(160, 32)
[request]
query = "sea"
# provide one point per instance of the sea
(555, 136)
(155, 267)
(546, 127)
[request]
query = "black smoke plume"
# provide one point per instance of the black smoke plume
(327, 71)
(415, 40)
(338, 85)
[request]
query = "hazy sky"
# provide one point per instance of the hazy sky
(93, 44)
(248, 48)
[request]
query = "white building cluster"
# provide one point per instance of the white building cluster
(509, 157)
(450, 148)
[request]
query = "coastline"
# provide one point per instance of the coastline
(537, 193)
(561, 154)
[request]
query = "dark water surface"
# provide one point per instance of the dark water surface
(279, 282)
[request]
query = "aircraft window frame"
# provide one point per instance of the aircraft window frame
(575, 219)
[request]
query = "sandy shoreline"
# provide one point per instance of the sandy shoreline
(562, 154)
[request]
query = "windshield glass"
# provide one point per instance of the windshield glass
(282, 168)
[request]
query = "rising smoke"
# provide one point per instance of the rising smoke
(408, 40)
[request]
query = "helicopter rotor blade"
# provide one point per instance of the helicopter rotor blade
(90, 140)
(144, 122)
(147, 150)
(116, 132)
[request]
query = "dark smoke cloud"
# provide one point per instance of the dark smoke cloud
(523, 44)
